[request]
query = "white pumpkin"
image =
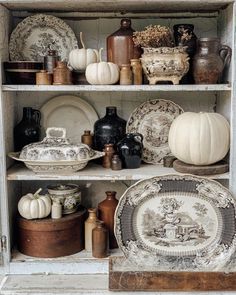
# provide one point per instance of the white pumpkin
(102, 73)
(199, 138)
(79, 59)
(32, 206)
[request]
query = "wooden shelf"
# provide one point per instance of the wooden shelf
(79, 263)
(117, 88)
(96, 172)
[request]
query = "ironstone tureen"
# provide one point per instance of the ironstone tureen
(55, 153)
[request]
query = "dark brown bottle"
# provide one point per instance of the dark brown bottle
(106, 212)
(109, 152)
(28, 130)
(100, 240)
(120, 45)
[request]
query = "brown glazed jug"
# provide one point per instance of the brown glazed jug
(106, 212)
(100, 240)
(62, 74)
(210, 61)
(120, 45)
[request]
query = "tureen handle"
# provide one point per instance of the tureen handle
(51, 131)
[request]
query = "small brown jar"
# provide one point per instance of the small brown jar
(125, 75)
(87, 138)
(137, 71)
(109, 152)
(61, 74)
(100, 240)
(43, 78)
(116, 163)
(106, 212)
(50, 61)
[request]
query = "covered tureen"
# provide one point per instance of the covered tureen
(55, 153)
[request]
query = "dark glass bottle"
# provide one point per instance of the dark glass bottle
(130, 150)
(120, 45)
(28, 130)
(106, 212)
(184, 36)
(109, 129)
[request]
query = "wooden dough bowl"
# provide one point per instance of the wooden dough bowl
(48, 238)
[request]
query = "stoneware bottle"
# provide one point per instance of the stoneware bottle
(106, 212)
(130, 150)
(28, 129)
(109, 152)
(125, 75)
(109, 129)
(120, 45)
(89, 225)
(43, 78)
(137, 71)
(100, 240)
(87, 138)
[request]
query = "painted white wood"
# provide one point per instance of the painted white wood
(117, 5)
(118, 88)
(232, 183)
(97, 172)
(71, 284)
(5, 117)
(79, 263)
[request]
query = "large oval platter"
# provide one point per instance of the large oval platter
(177, 222)
(153, 119)
(32, 38)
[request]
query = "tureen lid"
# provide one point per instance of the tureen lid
(62, 189)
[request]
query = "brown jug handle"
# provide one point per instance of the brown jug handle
(225, 54)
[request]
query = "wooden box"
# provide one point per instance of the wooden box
(51, 237)
(123, 278)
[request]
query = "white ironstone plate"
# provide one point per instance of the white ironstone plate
(32, 37)
(153, 119)
(177, 222)
(70, 112)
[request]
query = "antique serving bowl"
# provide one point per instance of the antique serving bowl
(56, 154)
(165, 64)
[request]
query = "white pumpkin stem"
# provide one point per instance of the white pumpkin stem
(37, 192)
(100, 54)
(81, 39)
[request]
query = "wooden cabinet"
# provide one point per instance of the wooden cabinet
(97, 20)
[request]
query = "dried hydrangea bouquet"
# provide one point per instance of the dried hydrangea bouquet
(161, 61)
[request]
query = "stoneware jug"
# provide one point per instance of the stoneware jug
(130, 150)
(28, 129)
(210, 60)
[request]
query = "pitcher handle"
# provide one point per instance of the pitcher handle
(138, 135)
(37, 116)
(225, 54)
